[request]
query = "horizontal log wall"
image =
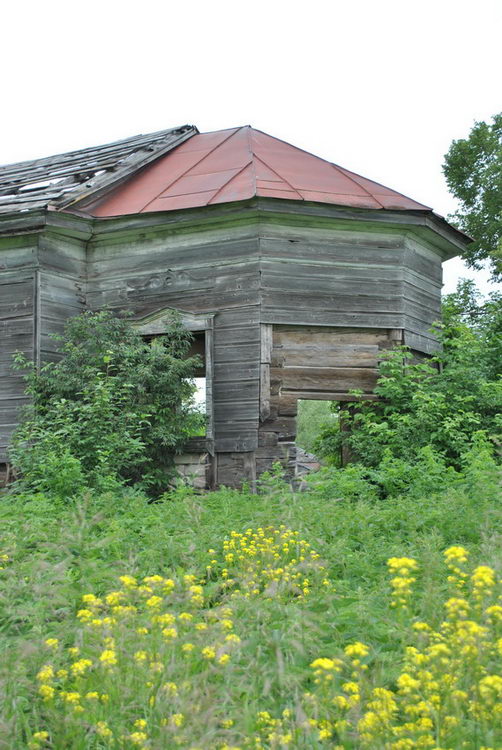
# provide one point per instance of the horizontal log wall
(309, 362)
(62, 263)
(18, 302)
(301, 305)
(217, 271)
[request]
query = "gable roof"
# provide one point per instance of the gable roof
(238, 164)
(58, 181)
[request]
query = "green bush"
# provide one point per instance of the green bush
(114, 409)
(442, 402)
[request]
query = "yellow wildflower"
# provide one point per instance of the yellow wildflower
(46, 691)
(46, 674)
(103, 730)
(79, 667)
(108, 658)
(128, 581)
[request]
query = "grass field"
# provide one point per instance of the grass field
(230, 620)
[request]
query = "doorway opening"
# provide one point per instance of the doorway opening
(318, 425)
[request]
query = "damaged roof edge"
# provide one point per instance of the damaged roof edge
(65, 179)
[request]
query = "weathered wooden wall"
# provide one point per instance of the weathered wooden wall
(311, 362)
(62, 281)
(301, 304)
(18, 300)
(216, 271)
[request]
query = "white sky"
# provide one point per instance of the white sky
(381, 88)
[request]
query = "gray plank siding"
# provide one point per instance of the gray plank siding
(62, 285)
(237, 380)
(301, 301)
(193, 273)
(17, 304)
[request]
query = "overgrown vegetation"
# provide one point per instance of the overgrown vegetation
(233, 620)
(363, 613)
(113, 410)
(312, 418)
(436, 408)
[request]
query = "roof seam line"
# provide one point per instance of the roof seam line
(279, 175)
(188, 169)
(230, 180)
(339, 169)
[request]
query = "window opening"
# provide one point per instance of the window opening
(197, 347)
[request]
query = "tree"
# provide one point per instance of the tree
(114, 408)
(473, 171)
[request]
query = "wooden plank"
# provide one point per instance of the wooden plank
(323, 396)
(237, 317)
(362, 304)
(239, 371)
(324, 378)
(333, 356)
(264, 392)
(169, 251)
(284, 427)
(230, 391)
(322, 279)
(290, 336)
(236, 352)
(305, 316)
(240, 442)
(421, 343)
(266, 343)
(16, 299)
(190, 300)
(235, 411)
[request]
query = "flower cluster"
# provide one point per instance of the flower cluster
(148, 641)
(401, 568)
(456, 559)
(447, 693)
(154, 661)
(273, 562)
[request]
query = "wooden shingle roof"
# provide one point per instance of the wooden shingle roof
(59, 181)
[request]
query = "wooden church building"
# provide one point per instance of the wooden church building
(292, 272)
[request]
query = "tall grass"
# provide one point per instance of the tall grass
(265, 695)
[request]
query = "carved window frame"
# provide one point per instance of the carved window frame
(159, 323)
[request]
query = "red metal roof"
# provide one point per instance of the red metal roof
(240, 163)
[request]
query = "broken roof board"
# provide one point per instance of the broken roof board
(60, 180)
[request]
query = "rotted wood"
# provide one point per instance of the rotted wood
(64, 179)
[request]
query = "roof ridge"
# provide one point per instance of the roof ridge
(253, 157)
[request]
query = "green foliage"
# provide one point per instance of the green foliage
(473, 170)
(57, 553)
(312, 417)
(113, 409)
(442, 403)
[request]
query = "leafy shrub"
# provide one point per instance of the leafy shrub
(442, 402)
(114, 403)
